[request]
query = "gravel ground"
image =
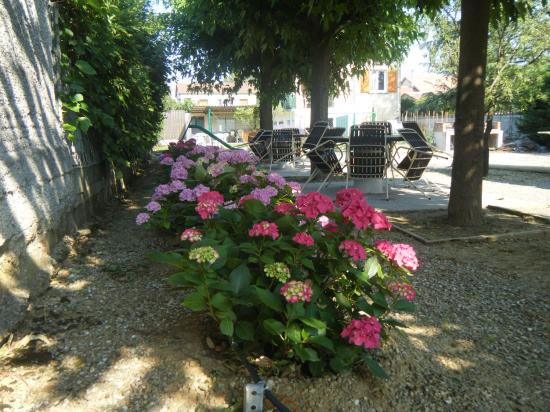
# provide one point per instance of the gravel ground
(109, 335)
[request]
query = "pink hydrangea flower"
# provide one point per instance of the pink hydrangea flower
(402, 289)
(331, 227)
(314, 204)
(405, 256)
(303, 238)
(358, 212)
(142, 218)
(283, 208)
(248, 179)
(245, 198)
(297, 291)
(400, 254)
(184, 161)
(153, 206)
(264, 228)
(216, 169)
(364, 332)
(192, 235)
(264, 195)
(345, 196)
(379, 221)
(208, 204)
(353, 249)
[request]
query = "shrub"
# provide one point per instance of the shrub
(298, 277)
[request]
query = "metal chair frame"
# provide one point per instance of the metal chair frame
(285, 146)
(368, 154)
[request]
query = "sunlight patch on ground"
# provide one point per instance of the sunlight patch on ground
(454, 363)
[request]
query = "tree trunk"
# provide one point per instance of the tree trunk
(266, 111)
(320, 74)
(467, 175)
(265, 94)
(486, 137)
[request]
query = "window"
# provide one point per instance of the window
(379, 81)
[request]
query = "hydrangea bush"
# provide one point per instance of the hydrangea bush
(295, 276)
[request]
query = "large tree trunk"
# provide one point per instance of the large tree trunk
(467, 176)
(320, 73)
(486, 138)
(266, 97)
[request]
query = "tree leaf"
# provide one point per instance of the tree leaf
(85, 67)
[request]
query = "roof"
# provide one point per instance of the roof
(420, 84)
(191, 88)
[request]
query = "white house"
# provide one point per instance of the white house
(245, 96)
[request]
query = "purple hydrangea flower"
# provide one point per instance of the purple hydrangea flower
(187, 195)
(142, 218)
(276, 179)
(153, 206)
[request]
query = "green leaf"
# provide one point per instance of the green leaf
(84, 123)
(322, 341)
(274, 326)
(69, 127)
(169, 258)
(308, 264)
(316, 368)
(375, 367)
(254, 208)
(403, 305)
(295, 311)
(78, 98)
(337, 364)
(184, 279)
(269, 299)
(221, 302)
(306, 354)
(85, 67)
(239, 278)
(393, 322)
(226, 327)
(294, 333)
(244, 330)
(200, 172)
(314, 323)
(372, 266)
(194, 301)
(342, 300)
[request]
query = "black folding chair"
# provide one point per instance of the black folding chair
(414, 126)
(386, 125)
(368, 156)
(416, 160)
(285, 146)
(260, 144)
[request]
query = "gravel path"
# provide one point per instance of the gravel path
(110, 335)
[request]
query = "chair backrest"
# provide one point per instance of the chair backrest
(414, 126)
(334, 132)
(256, 136)
(418, 157)
(315, 135)
(385, 125)
(367, 152)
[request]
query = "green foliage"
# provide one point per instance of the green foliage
(438, 102)
(248, 115)
(408, 104)
(114, 74)
(515, 54)
(171, 104)
(537, 116)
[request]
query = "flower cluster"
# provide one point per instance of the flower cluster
(297, 291)
(264, 228)
(364, 332)
(277, 270)
(191, 235)
(142, 218)
(314, 204)
(402, 289)
(354, 208)
(204, 254)
(208, 204)
(153, 206)
(283, 208)
(303, 238)
(400, 254)
(354, 250)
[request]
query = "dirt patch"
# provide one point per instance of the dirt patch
(114, 337)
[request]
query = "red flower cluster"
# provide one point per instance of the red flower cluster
(284, 208)
(303, 238)
(353, 249)
(403, 289)
(264, 228)
(208, 204)
(314, 204)
(355, 208)
(364, 332)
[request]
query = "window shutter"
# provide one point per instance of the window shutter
(365, 82)
(392, 81)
